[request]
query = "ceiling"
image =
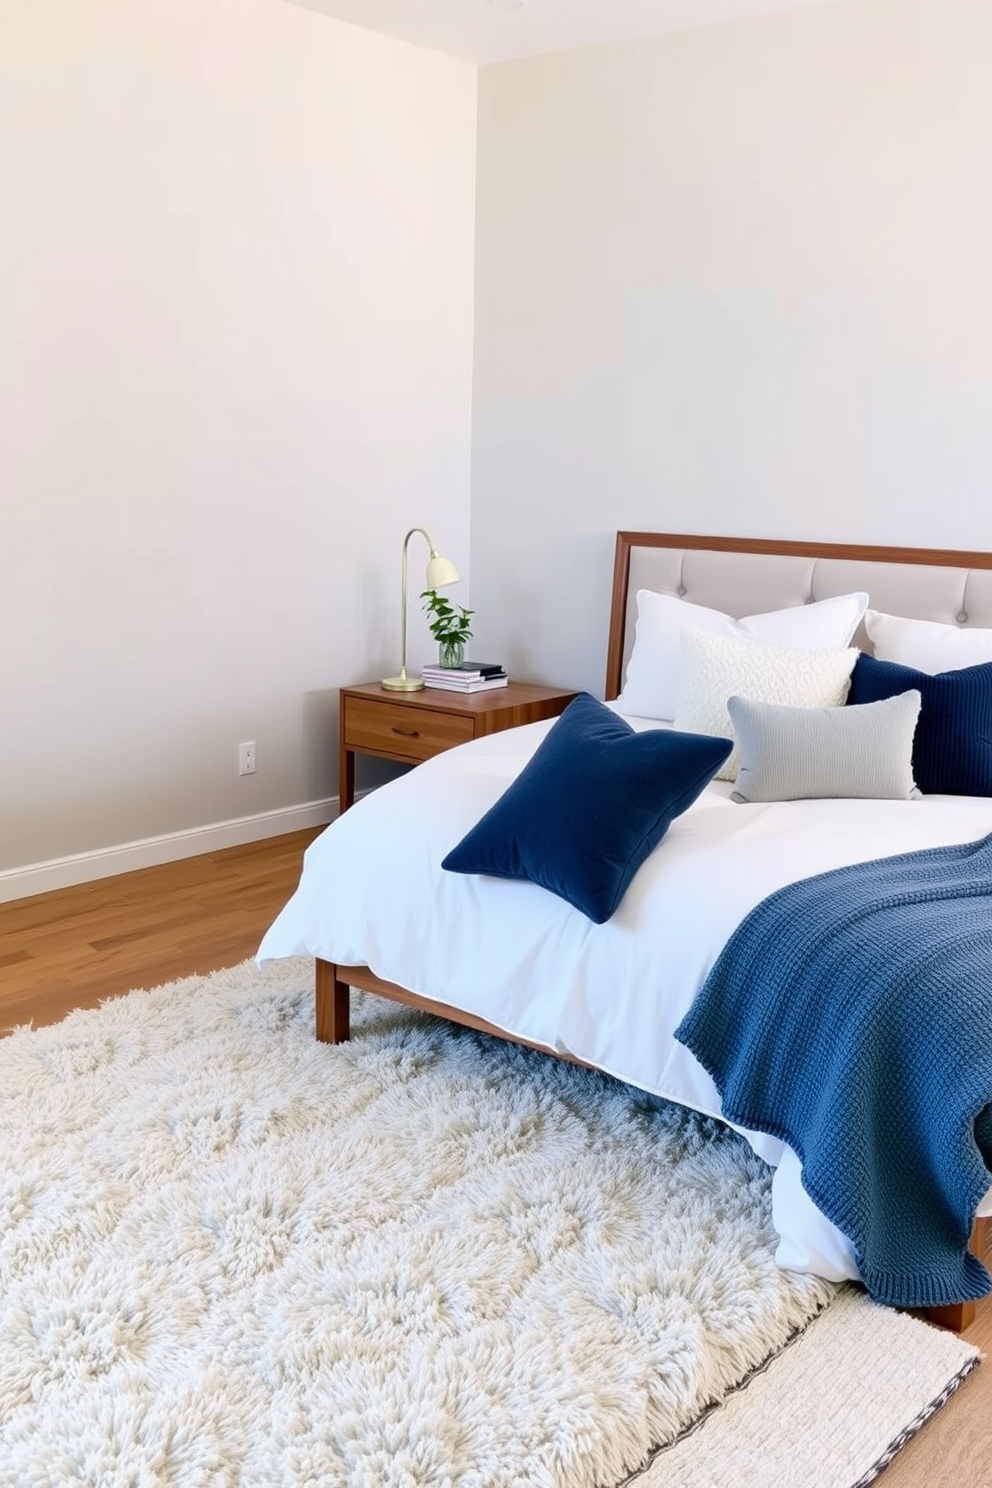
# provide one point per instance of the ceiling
(484, 31)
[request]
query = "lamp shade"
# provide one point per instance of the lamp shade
(440, 571)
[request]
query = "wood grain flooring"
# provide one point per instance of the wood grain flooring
(75, 947)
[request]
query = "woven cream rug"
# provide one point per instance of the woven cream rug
(231, 1257)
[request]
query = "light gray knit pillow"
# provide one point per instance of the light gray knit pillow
(865, 749)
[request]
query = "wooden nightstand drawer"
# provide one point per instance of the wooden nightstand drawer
(414, 726)
(402, 730)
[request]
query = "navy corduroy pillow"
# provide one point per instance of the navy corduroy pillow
(952, 747)
(594, 800)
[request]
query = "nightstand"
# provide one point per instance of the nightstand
(412, 726)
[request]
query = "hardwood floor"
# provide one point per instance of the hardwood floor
(75, 947)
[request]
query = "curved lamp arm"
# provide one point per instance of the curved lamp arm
(440, 572)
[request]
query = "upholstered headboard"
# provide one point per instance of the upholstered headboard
(745, 576)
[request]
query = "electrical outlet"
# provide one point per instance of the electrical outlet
(246, 758)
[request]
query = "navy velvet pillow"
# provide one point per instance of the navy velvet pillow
(590, 805)
(952, 747)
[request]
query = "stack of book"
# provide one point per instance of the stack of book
(471, 676)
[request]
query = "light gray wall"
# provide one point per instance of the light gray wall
(732, 280)
(235, 367)
(729, 280)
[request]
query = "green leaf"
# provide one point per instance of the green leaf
(450, 622)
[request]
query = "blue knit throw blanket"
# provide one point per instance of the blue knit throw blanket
(850, 1015)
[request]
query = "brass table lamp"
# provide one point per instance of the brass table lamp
(440, 572)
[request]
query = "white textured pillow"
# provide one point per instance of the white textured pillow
(791, 754)
(652, 682)
(925, 644)
(714, 668)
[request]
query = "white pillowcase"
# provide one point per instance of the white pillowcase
(715, 668)
(652, 682)
(925, 644)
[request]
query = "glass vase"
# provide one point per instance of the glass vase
(451, 653)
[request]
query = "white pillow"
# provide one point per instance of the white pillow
(925, 644)
(651, 685)
(715, 668)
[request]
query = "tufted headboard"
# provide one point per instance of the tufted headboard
(745, 576)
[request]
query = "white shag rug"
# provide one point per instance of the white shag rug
(232, 1257)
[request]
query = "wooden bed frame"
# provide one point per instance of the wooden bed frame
(334, 983)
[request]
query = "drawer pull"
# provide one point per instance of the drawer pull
(407, 733)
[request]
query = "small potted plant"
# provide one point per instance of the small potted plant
(449, 626)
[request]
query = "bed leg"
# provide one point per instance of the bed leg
(957, 1316)
(961, 1315)
(332, 1004)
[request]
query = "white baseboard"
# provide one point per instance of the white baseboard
(62, 873)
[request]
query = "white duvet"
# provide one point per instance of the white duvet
(373, 893)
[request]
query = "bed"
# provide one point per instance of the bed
(377, 911)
